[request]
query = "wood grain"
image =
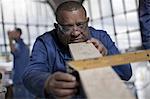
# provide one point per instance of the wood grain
(83, 51)
(103, 83)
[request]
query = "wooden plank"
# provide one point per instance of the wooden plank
(103, 83)
(83, 50)
(110, 60)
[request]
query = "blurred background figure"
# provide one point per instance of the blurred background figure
(20, 53)
(142, 72)
(144, 17)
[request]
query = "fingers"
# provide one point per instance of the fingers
(61, 85)
(94, 41)
(60, 76)
(104, 52)
(98, 45)
(64, 80)
(64, 92)
(11, 34)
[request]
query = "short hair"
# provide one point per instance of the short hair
(68, 6)
(19, 30)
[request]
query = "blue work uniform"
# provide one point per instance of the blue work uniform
(144, 17)
(49, 56)
(21, 60)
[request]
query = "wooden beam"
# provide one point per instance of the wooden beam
(98, 80)
(83, 50)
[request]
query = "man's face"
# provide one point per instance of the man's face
(14, 34)
(72, 26)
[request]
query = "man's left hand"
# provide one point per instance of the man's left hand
(98, 44)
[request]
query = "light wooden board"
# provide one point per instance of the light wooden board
(110, 60)
(83, 51)
(103, 83)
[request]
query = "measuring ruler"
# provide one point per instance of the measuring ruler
(110, 60)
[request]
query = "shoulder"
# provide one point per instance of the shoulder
(99, 34)
(46, 40)
(20, 44)
(92, 29)
(102, 36)
(47, 36)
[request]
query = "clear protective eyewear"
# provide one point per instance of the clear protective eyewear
(69, 27)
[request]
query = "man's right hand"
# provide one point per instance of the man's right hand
(61, 85)
(11, 35)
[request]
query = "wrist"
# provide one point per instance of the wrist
(47, 91)
(46, 86)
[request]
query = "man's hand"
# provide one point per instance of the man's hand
(98, 45)
(61, 85)
(11, 35)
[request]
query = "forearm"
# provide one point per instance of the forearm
(124, 71)
(34, 81)
(12, 45)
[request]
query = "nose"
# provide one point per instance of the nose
(75, 31)
(75, 27)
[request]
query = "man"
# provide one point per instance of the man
(21, 58)
(46, 75)
(144, 16)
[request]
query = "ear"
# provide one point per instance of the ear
(56, 25)
(87, 19)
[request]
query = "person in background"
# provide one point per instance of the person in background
(144, 18)
(20, 52)
(46, 76)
